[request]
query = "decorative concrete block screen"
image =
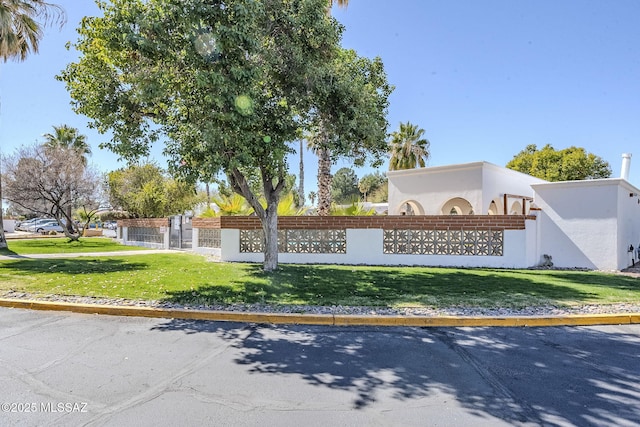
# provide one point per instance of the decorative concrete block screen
(476, 235)
(145, 230)
(297, 241)
(209, 238)
(145, 235)
(444, 242)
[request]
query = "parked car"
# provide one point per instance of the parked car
(46, 226)
(24, 225)
(110, 225)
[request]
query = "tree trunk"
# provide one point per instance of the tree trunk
(301, 186)
(324, 182)
(268, 217)
(270, 229)
(3, 239)
(69, 213)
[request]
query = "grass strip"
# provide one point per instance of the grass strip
(56, 245)
(191, 279)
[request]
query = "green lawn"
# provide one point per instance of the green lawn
(188, 278)
(63, 245)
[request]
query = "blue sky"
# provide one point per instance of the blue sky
(483, 78)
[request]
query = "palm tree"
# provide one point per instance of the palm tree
(20, 29)
(318, 145)
(301, 184)
(407, 148)
(21, 23)
(312, 197)
(67, 138)
(340, 3)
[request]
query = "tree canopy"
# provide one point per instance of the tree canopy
(408, 148)
(65, 136)
(21, 23)
(370, 186)
(344, 187)
(350, 117)
(225, 85)
(145, 191)
(569, 164)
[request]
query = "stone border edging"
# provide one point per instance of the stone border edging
(327, 319)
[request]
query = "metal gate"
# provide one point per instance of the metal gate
(181, 233)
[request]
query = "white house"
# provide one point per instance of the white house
(591, 224)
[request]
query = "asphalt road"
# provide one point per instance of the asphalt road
(73, 369)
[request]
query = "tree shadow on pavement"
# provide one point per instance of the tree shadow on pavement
(547, 376)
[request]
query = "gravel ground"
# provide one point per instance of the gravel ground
(548, 310)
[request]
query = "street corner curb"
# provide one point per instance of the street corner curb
(326, 319)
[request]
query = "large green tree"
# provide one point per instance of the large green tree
(145, 191)
(569, 164)
(226, 84)
(408, 148)
(21, 23)
(344, 187)
(321, 143)
(371, 184)
(350, 118)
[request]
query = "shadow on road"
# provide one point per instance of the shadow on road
(550, 376)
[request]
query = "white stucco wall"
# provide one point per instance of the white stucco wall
(434, 186)
(628, 224)
(582, 223)
(195, 238)
(480, 183)
(365, 246)
(497, 181)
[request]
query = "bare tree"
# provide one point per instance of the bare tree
(48, 181)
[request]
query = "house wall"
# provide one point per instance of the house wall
(628, 225)
(587, 224)
(497, 181)
(433, 187)
(479, 183)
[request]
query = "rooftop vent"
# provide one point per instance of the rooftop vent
(626, 163)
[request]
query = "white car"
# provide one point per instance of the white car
(46, 226)
(24, 225)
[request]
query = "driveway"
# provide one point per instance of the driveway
(75, 369)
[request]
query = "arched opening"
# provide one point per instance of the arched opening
(457, 206)
(493, 208)
(516, 208)
(410, 207)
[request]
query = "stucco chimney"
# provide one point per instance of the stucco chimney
(626, 163)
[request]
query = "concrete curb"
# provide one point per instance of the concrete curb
(327, 319)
